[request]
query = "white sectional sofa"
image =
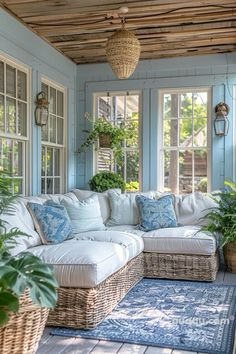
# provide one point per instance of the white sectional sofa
(96, 268)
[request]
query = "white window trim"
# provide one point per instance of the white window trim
(27, 140)
(160, 175)
(63, 168)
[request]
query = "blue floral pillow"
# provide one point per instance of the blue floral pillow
(51, 222)
(156, 213)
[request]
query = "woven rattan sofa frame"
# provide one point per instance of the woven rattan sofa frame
(86, 308)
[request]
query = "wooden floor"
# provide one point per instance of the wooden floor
(58, 345)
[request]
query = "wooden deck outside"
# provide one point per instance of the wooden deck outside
(67, 345)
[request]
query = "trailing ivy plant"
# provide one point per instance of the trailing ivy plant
(21, 272)
(118, 134)
(222, 218)
(103, 181)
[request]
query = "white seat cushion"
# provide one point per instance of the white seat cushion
(179, 240)
(90, 257)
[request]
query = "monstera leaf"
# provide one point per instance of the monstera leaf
(19, 274)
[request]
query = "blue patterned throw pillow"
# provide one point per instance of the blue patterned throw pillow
(51, 222)
(156, 213)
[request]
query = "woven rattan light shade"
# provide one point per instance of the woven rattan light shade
(123, 51)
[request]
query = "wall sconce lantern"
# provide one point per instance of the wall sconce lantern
(221, 122)
(41, 110)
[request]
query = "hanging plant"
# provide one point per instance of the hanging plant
(114, 133)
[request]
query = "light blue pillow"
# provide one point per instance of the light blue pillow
(156, 213)
(85, 215)
(51, 222)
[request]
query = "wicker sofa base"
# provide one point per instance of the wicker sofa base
(180, 266)
(86, 308)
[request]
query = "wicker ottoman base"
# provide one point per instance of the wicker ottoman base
(86, 308)
(180, 266)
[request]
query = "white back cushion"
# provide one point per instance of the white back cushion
(190, 208)
(102, 198)
(85, 215)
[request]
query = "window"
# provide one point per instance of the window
(185, 147)
(53, 141)
(120, 108)
(14, 122)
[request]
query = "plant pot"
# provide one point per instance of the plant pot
(24, 329)
(104, 140)
(230, 257)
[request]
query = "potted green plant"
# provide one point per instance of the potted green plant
(106, 134)
(222, 220)
(27, 287)
(103, 181)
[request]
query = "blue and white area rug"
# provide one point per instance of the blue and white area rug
(183, 315)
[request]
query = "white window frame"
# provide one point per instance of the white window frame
(95, 115)
(160, 165)
(63, 147)
(26, 140)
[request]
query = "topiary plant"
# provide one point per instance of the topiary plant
(103, 181)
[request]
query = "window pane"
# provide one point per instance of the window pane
(170, 131)
(43, 161)
(22, 85)
(104, 160)
(22, 119)
(200, 104)
(52, 129)
(60, 103)
(43, 180)
(57, 162)
(17, 185)
(10, 81)
(6, 148)
(49, 185)
(18, 159)
(120, 106)
(186, 132)
(52, 105)
(170, 171)
(44, 132)
(200, 132)
(132, 107)
(1, 76)
(2, 113)
(167, 106)
(200, 170)
(132, 166)
(57, 185)
(185, 171)
(49, 159)
(186, 106)
(11, 115)
(133, 140)
(60, 122)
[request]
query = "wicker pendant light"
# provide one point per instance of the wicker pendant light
(123, 51)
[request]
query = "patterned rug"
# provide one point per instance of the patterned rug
(193, 316)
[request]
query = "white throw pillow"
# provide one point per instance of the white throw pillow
(191, 208)
(124, 210)
(85, 215)
(102, 197)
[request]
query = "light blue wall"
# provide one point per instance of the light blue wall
(216, 71)
(23, 45)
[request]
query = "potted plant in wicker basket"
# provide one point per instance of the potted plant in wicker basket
(222, 220)
(27, 288)
(107, 135)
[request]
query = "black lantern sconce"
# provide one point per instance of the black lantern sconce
(41, 110)
(221, 122)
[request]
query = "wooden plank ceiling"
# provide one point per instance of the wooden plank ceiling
(165, 28)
